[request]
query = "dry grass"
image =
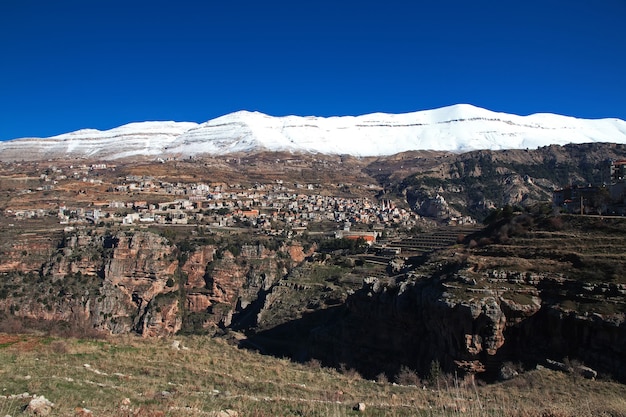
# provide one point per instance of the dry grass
(130, 376)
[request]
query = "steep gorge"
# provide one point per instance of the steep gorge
(529, 287)
(476, 307)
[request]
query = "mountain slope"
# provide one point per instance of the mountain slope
(133, 139)
(455, 128)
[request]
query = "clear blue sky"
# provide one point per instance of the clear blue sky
(67, 65)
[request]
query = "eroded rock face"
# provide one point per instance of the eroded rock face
(296, 252)
(413, 324)
(139, 269)
(138, 281)
(162, 321)
(225, 279)
(235, 283)
(107, 282)
(24, 253)
(198, 302)
(196, 266)
(598, 341)
(467, 329)
(465, 310)
(78, 253)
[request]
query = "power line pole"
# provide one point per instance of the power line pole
(581, 205)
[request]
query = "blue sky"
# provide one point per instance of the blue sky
(72, 64)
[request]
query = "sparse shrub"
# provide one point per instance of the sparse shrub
(381, 378)
(555, 223)
(575, 368)
(78, 327)
(11, 324)
(435, 373)
(407, 376)
(502, 234)
(349, 372)
(314, 364)
(59, 346)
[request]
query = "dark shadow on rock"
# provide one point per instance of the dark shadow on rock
(293, 339)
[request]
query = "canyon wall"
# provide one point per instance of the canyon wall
(476, 323)
(470, 310)
(134, 281)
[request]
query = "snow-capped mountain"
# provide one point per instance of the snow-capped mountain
(133, 139)
(455, 128)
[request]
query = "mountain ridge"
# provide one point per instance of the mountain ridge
(456, 128)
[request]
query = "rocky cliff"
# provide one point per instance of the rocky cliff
(445, 185)
(475, 308)
(529, 288)
(134, 281)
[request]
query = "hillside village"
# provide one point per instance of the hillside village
(273, 208)
(100, 194)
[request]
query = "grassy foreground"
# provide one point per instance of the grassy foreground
(130, 376)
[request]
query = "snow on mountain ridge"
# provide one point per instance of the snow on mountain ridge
(135, 128)
(457, 128)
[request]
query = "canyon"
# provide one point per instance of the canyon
(532, 286)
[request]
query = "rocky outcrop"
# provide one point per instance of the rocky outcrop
(196, 265)
(597, 340)
(530, 296)
(467, 326)
(39, 406)
(414, 323)
(236, 283)
(296, 252)
(476, 182)
(77, 253)
(139, 281)
(25, 252)
(164, 319)
(108, 282)
(198, 302)
(139, 269)
(434, 206)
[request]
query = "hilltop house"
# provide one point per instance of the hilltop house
(605, 198)
(368, 237)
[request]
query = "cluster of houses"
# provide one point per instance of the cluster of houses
(606, 198)
(136, 200)
(261, 206)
